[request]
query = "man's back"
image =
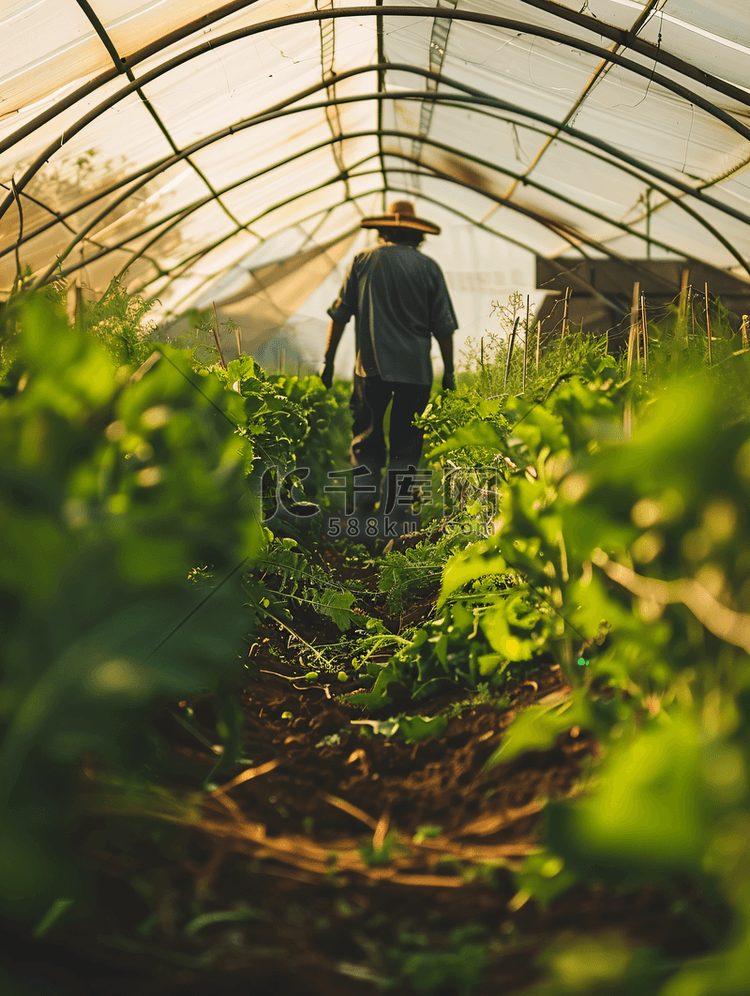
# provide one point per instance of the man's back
(399, 299)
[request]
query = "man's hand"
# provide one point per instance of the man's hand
(326, 374)
(335, 332)
(446, 351)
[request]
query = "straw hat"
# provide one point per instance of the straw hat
(401, 215)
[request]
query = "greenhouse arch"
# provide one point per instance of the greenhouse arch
(618, 130)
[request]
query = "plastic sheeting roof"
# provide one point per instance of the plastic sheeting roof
(171, 140)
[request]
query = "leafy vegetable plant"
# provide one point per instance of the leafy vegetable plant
(116, 481)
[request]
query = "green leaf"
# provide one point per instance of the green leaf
(50, 918)
(476, 433)
(338, 606)
(489, 663)
(378, 694)
(544, 877)
(416, 728)
(651, 809)
(478, 561)
(537, 727)
(223, 916)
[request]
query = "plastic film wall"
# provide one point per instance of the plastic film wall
(188, 146)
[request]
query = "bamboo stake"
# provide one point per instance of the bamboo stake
(538, 343)
(682, 312)
(74, 303)
(216, 335)
(708, 326)
(510, 349)
(526, 342)
(692, 307)
(744, 331)
(238, 340)
(627, 419)
(638, 332)
(644, 332)
(565, 312)
(633, 326)
(627, 415)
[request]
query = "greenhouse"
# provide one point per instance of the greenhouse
(489, 731)
(226, 153)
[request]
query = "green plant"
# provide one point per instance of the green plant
(420, 566)
(326, 444)
(285, 577)
(456, 648)
(115, 483)
(458, 968)
(473, 431)
(120, 322)
(199, 339)
(380, 855)
(645, 563)
(277, 426)
(607, 965)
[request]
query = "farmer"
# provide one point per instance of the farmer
(399, 300)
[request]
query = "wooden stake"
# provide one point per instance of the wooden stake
(538, 342)
(627, 419)
(74, 302)
(638, 334)
(632, 339)
(238, 340)
(692, 307)
(510, 349)
(565, 312)
(644, 332)
(682, 312)
(216, 335)
(526, 341)
(708, 326)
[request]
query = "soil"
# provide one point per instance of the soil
(335, 855)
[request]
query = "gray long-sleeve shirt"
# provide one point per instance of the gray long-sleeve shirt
(399, 300)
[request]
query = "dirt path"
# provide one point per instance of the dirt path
(337, 861)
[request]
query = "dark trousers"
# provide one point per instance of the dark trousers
(368, 404)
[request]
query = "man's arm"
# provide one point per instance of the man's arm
(446, 351)
(443, 319)
(335, 331)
